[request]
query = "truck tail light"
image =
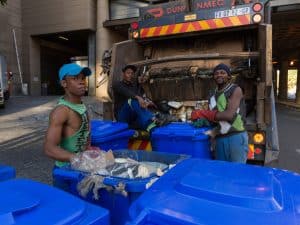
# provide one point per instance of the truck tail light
(257, 18)
(257, 7)
(254, 151)
(258, 138)
(134, 25)
(135, 34)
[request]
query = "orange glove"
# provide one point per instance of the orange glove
(204, 114)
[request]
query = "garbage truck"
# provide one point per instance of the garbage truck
(177, 44)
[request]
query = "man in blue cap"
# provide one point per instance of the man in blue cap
(226, 106)
(68, 131)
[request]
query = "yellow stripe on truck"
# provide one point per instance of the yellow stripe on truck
(195, 26)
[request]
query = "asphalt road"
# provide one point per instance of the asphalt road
(24, 120)
(289, 138)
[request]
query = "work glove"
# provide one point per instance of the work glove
(201, 123)
(204, 114)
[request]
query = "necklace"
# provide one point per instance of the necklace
(223, 89)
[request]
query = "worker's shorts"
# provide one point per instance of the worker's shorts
(232, 148)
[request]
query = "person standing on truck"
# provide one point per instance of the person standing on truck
(226, 110)
(129, 104)
(68, 132)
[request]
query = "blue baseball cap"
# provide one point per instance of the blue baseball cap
(73, 69)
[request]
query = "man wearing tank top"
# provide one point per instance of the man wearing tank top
(225, 109)
(68, 131)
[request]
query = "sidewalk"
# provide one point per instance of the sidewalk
(289, 104)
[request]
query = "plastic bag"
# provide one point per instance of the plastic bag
(92, 161)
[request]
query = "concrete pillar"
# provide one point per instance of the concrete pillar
(283, 81)
(92, 63)
(35, 67)
(104, 41)
(298, 85)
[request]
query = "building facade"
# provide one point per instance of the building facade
(38, 36)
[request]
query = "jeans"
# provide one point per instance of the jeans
(233, 148)
(132, 113)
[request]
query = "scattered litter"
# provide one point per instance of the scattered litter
(174, 104)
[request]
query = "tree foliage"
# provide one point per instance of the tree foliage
(3, 2)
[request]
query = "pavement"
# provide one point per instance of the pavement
(290, 104)
(23, 123)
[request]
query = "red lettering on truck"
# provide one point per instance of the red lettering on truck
(210, 4)
(176, 9)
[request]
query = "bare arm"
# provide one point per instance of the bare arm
(233, 105)
(121, 89)
(57, 119)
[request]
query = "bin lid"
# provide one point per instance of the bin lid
(100, 128)
(28, 202)
(177, 129)
(116, 136)
(204, 192)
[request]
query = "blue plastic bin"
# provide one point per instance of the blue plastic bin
(199, 191)
(25, 201)
(101, 128)
(110, 135)
(7, 172)
(181, 138)
(114, 142)
(116, 203)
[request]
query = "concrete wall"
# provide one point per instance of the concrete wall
(48, 17)
(105, 38)
(10, 18)
(44, 16)
(30, 18)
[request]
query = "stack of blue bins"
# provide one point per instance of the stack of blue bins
(182, 138)
(113, 200)
(27, 202)
(198, 192)
(7, 172)
(110, 135)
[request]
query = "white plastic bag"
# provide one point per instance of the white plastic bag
(92, 161)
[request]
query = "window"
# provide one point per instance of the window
(292, 83)
(123, 9)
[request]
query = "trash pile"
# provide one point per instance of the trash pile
(98, 164)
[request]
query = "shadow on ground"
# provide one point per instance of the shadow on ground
(26, 155)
